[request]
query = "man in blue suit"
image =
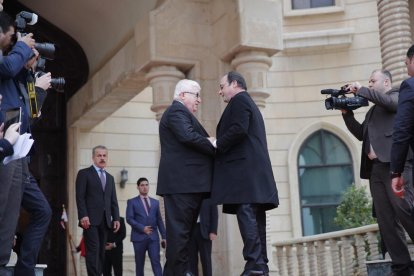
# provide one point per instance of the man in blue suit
(143, 214)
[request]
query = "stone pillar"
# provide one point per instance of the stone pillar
(395, 36)
(163, 80)
(254, 65)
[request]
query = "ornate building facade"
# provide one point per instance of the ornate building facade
(288, 50)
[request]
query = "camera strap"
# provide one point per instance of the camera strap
(31, 91)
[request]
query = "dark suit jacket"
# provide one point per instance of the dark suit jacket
(208, 219)
(6, 149)
(403, 136)
(243, 172)
(138, 219)
(377, 128)
(117, 237)
(186, 161)
(92, 202)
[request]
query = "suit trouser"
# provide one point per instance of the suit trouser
(202, 245)
(153, 248)
(181, 212)
(392, 212)
(252, 225)
(95, 239)
(113, 259)
(11, 190)
(33, 201)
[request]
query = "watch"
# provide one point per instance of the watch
(394, 175)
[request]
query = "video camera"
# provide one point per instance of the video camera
(338, 100)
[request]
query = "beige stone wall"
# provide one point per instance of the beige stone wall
(295, 108)
(319, 50)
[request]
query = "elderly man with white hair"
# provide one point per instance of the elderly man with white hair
(185, 172)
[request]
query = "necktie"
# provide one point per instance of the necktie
(147, 205)
(102, 177)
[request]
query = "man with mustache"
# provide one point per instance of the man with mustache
(97, 206)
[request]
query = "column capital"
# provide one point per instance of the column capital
(163, 79)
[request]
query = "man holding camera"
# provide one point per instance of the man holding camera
(375, 132)
(17, 186)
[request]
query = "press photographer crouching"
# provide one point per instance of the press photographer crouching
(18, 188)
(375, 132)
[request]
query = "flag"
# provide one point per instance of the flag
(63, 218)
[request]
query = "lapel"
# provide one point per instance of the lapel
(98, 179)
(196, 124)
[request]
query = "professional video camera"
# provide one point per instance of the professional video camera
(46, 50)
(338, 100)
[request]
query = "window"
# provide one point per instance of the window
(325, 172)
(311, 7)
(308, 4)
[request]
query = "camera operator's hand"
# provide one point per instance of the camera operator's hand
(44, 81)
(12, 133)
(28, 39)
(354, 87)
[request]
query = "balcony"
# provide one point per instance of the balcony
(337, 253)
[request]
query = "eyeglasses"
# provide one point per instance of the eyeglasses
(195, 94)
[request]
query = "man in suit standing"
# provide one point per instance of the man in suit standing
(113, 250)
(375, 132)
(243, 177)
(144, 216)
(185, 172)
(97, 207)
(203, 236)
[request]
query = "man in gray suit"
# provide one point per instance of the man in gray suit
(97, 207)
(375, 132)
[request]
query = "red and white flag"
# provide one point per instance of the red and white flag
(63, 218)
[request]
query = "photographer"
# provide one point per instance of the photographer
(18, 187)
(375, 132)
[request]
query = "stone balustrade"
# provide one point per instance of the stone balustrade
(335, 253)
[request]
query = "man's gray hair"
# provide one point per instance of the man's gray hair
(186, 85)
(98, 147)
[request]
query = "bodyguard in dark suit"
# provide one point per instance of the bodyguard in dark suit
(243, 177)
(144, 216)
(202, 238)
(97, 207)
(114, 249)
(375, 132)
(185, 172)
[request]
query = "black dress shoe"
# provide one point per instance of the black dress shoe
(252, 272)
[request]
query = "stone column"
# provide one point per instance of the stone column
(395, 36)
(254, 65)
(163, 80)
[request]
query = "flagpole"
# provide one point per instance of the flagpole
(71, 244)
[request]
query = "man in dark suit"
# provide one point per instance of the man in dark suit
(201, 240)
(144, 216)
(113, 250)
(375, 132)
(185, 172)
(97, 207)
(243, 177)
